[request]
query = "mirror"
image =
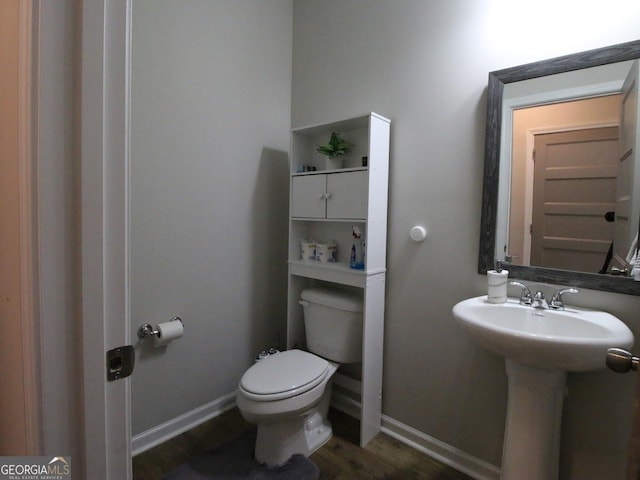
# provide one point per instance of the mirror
(494, 198)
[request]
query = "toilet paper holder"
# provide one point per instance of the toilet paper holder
(146, 330)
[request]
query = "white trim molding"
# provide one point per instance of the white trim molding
(171, 428)
(104, 92)
(443, 452)
(420, 441)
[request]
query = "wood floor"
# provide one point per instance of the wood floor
(341, 458)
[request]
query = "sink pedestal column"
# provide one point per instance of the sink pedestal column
(532, 430)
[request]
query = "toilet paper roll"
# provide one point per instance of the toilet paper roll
(497, 286)
(167, 332)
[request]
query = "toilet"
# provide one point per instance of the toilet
(287, 395)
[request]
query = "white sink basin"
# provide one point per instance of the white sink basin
(573, 340)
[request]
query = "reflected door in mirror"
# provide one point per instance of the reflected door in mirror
(573, 189)
(558, 202)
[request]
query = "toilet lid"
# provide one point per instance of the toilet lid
(292, 371)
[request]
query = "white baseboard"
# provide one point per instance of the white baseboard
(165, 431)
(345, 404)
(443, 452)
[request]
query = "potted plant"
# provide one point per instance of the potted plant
(333, 150)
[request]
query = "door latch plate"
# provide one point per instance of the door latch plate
(120, 362)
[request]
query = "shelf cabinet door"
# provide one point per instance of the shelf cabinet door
(347, 195)
(308, 196)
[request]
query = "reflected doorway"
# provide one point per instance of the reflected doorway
(540, 237)
(574, 193)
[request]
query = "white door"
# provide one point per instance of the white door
(104, 151)
(628, 186)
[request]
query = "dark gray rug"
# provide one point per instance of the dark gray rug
(234, 461)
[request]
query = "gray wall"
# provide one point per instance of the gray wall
(211, 94)
(424, 65)
(211, 88)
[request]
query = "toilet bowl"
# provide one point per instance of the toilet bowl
(287, 395)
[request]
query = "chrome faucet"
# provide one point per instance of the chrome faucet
(539, 301)
(525, 295)
(556, 300)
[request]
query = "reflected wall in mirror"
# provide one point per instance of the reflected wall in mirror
(551, 220)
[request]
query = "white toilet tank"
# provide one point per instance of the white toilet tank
(333, 324)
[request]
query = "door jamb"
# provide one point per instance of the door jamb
(106, 29)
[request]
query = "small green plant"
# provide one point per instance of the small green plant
(335, 148)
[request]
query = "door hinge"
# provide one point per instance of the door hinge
(120, 362)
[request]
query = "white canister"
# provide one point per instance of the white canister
(308, 250)
(326, 252)
(497, 286)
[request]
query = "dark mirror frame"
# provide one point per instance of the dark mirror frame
(497, 80)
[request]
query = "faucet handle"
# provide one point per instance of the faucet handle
(556, 300)
(525, 295)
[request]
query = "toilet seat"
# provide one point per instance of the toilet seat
(284, 375)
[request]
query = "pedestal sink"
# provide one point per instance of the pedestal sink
(539, 347)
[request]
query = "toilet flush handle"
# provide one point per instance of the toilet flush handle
(304, 303)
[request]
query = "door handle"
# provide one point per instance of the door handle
(622, 361)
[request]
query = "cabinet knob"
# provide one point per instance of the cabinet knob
(327, 195)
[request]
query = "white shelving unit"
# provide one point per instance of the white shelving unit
(324, 206)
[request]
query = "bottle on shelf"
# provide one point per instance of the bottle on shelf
(356, 260)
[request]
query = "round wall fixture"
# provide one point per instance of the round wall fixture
(418, 233)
